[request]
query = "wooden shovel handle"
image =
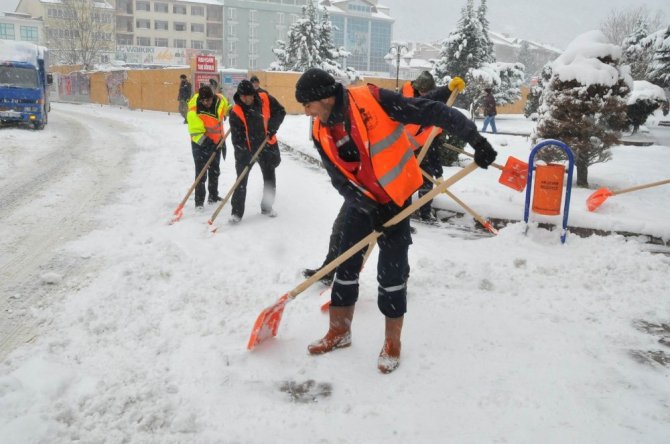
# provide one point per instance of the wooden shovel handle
(242, 175)
(486, 224)
(461, 151)
(435, 131)
(202, 172)
(372, 237)
(641, 187)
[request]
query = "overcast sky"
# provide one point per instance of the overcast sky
(550, 21)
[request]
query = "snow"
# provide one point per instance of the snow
(643, 90)
(580, 60)
(14, 51)
(514, 338)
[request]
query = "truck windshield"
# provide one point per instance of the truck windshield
(18, 77)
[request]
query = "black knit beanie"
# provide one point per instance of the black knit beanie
(314, 84)
(245, 88)
(205, 92)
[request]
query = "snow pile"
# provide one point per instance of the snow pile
(581, 61)
(643, 90)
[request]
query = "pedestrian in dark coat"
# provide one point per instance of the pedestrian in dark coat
(254, 117)
(489, 111)
(184, 95)
(358, 133)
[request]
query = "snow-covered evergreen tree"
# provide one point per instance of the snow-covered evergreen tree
(637, 51)
(525, 57)
(487, 44)
(644, 100)
(584, 101)
(463, 50)
(310, 45)
(534, 97)
(659, 68)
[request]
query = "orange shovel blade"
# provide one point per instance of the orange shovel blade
(267, 323)
(178, 213)
(597, 198)
(514, 174)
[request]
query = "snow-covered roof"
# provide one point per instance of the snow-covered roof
(13, 51)
(580, 60)
(502, 39)
(340, 7)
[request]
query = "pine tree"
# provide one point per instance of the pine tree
(310, 45)
(525, 56)
(487, 44)
(463, 50)
(636, 52)
(580, 106)
(645, 99)
(659, 68)
(534, 98)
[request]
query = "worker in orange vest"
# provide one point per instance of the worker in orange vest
(206, 112)
(359, 135)
(255, 116)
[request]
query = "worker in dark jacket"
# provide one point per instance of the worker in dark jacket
(359, 136)
(254, 117)
(184, 95)
(424, 86)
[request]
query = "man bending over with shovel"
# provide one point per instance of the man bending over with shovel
(359, 134)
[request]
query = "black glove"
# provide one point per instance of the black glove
(383, 214)
(271, 133)
(485, 155)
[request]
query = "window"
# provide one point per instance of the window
(232, 46)
(179, 43)
(179, 9)
(161, 25)
(198, 11)
(124, 39)
(281, 17)
(179, 26)
(142, 6)
(253, 31)
(161, 7)
(143, 41)
(143, 24)
(161, 42)
(29, 33)
(6, 31)
(252, 63)
(232, 30)
(197, 27)
(197, 44)
(232, 14)
(253, 47)
(253, 15)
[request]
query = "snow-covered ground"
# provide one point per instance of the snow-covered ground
(514, 338)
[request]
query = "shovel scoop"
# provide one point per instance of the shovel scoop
(597, 198)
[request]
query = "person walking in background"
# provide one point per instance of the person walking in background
(184, 95)
(205, 126)
(257, 84)
(254, 117)
(489, 111)
(216, 89)
(424, 86)
(358, 134)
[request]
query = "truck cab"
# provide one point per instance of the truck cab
(24, 84)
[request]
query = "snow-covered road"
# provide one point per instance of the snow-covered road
(139, 328)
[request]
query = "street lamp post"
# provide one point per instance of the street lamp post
(398, 50)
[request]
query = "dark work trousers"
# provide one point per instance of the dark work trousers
(336, 235)
(425, 211)
(269, 188)
(200, 157)
(392, 265)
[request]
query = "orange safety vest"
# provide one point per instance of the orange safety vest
(389, 149)
(265, 110)
(213, 122)
(417, 134)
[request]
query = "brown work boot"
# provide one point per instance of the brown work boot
(339, 331)
(389, 357)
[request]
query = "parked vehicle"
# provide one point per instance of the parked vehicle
(24, 83)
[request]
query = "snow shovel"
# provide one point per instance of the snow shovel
(435, 130)
(514, 173)
(267, 323)
(179, 211)
(485, 223)
(326, 305)
(598, 197)
(242, 175)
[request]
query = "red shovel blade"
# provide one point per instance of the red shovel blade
(178, 213)
(597, 198)
(514, 174)
(267, 323)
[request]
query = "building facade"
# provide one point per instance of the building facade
(21, 27)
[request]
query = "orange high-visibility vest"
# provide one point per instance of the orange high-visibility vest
(212, 124)
(389, 149)
(265, 110)
(412, 129)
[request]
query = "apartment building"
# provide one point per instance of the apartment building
(22, 27)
